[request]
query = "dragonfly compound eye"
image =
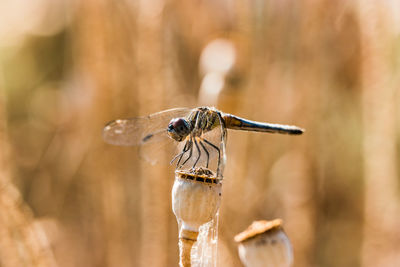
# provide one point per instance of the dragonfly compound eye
(178, 129)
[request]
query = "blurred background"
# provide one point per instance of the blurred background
(68, 67)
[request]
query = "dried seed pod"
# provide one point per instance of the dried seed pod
(196, 197)
(264, 244)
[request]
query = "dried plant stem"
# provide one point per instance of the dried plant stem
(195, 202)
(186, 240)
(381, 208)
(154, 212)
(22, 240)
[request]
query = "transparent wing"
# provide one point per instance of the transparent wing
(141, 130)
(160, 152)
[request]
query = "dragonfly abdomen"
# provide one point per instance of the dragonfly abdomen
(237, 123)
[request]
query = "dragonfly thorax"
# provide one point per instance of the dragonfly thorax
(178, 129)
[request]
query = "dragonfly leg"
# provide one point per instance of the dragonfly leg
(180, 155)
(205, 150)
(190, 152)
(198, 151)
(216, 148)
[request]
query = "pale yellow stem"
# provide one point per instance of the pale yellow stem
(186, 240)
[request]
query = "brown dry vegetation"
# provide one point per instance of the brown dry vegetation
(67, 67)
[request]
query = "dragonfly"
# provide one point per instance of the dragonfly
(202, 131)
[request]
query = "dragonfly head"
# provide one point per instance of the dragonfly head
(178, 129)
